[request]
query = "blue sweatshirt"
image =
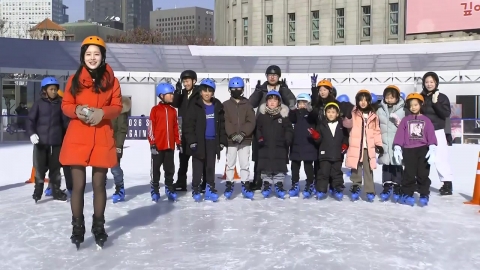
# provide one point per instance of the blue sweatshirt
(210, 126)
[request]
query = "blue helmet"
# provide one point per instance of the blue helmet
(208, 82)
(304, 97)
(374, 98)
(49, 81)
(273, 93)
(236, 82)
(343, 98)
(163, 89)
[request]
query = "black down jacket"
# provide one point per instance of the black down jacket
(47, 120)
(303, 147)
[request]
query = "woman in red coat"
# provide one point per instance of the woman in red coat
(92, 98)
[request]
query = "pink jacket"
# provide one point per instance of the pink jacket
(374, 138)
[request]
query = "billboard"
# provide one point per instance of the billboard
(427, 16)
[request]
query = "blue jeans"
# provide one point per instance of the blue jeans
(117, 175)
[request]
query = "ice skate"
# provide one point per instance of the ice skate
(155, 193)
(294, 190)
(408, 200)
(423, 201)
(446, 189)
(338, 193)
(386, 193)
(98, 231)
(267, 189)
(37, 192)
(309, 190)
(59, 195)
(370, 197)
(48, 192)
(211, 193)
(119, 194)
(279, 190)
(78, 231)
(355, 192)
(228, 189)
(196, 195)
(396, 192)
(321, 195)
(246, 191)
(171, 193)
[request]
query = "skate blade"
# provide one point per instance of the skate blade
(99, 247)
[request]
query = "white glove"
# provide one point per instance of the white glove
(435, 97)
(34, 139)
(395, 119)
(397, 154)
(432, 149)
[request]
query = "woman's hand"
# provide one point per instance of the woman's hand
(80, 113)
(95, 117)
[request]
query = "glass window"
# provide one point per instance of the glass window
(315, 28)
(245, 31)
(269, 29)
(366, 21)
(340, 26)
(234, 32)
(291, 27)
(393, 23)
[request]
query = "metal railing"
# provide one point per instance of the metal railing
(13, 129)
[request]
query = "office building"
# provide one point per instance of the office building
(132, 13)
(329, 22)
(19, 16)
(190, 21)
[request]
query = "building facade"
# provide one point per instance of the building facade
(191, 21)
(19, 16)
(48, 30)
(78, 31)
(318, 22)
(132, 13)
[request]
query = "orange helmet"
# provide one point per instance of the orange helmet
(393, 87)
(415, 95)
(325, 83)
(363, 91)
(94, 40)
(60, 93)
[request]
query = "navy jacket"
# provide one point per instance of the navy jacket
(304, 147)
(47, 120)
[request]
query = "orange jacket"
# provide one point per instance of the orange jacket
(163, 127)
(86, 145)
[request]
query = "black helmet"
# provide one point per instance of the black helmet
(188, 74)
(274, 70)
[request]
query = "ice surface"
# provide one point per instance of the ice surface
(238, 234)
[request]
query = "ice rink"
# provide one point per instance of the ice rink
(238, 234)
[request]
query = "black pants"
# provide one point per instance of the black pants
(183, 169)
(392, 174)
(416, 171)
(46, 158)
(307, 167)
(329, 170)
(206, 165)
(165, 158)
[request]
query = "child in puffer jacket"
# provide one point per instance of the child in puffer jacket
(390, 113)
(365, 140)
(275, 135)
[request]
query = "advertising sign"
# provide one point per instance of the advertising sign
(137, 128)
(427, 16)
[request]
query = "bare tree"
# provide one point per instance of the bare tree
(14, 29)
(144, 36)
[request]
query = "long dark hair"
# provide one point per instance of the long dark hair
(101, 78)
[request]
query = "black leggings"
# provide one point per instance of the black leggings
(100, 195)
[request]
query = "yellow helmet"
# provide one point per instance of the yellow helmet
(94, 40)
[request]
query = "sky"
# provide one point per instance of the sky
(76, 7)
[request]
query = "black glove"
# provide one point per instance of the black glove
(283, 83)
(221, 147)
(449, 139)
(119, 153)
(178, 86)
(259, 84)
(193, 147)
(379, 150)
(348, 114)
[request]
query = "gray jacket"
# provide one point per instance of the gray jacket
(388, 129)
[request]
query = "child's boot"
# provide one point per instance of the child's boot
(387, 191)
(228, 189)
(338, 193)
(423, 199)
(309, 190)
(355, 192)
(246, 191)
(446, 189)
(396, 192)
(267, 189)
(171, 193)
(211, 193)
(155, 192)
(119, 194)
(370, 197)
(294, 190)
(321, 194)
(37, 192)
(196, 194)
(279, 190)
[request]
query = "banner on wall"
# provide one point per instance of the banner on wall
(456, 122)
(137, 128)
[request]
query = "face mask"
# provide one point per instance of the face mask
(236, 94)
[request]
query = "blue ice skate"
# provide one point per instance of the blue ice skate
(385, 196)
(294, 190)
(279, 190)
(309, 191)
(119, 194)
(246, 191)
(423, 201)
(408, 200)
(355, 193)
(196, 195)
(155, 193)
(171, 193)
(338, 194)
(267, 189)
(387, 192)
(48, 192)
(321, 195)
(370, 197)
(228, 189)
(331, 190)
(211, 194)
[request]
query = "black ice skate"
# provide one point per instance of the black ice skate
(446, 189)
(37, 192)
(59, 195)
(98, 231)
(78, 231)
